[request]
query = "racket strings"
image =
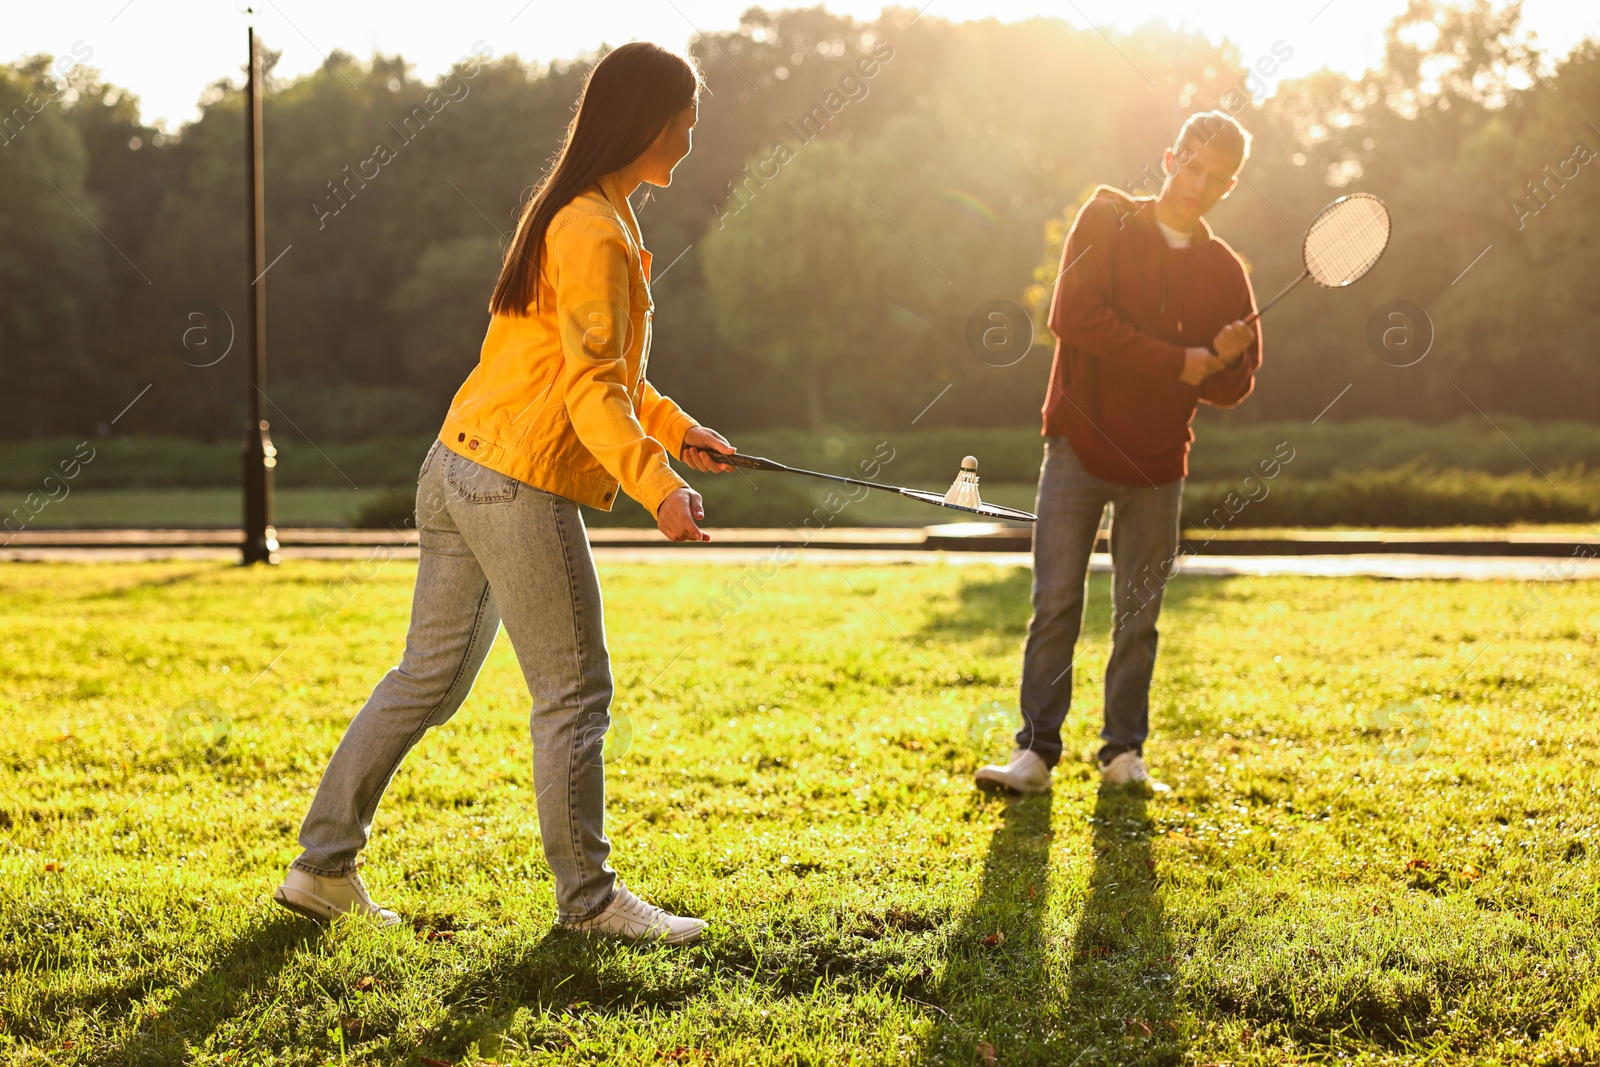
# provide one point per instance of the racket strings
(1346, 239)
(992, 511)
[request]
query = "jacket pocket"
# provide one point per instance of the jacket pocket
(532, 423)
(477, 484)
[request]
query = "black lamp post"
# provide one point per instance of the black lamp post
(260, 538)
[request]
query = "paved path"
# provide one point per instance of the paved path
(1377, 565)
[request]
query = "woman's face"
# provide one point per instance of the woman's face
(670, 146)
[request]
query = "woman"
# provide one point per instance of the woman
(557, 413)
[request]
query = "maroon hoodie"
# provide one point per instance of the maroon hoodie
(1126, 306)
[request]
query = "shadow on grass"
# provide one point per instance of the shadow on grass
(543, 992)
(1002, 605)
(1121, 1001)
(996, 985)
(218, 992)
(1115, 1005)
(538, 995)
(121, 591)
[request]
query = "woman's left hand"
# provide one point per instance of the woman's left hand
(696, 444)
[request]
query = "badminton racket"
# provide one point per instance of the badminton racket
(758, 463)
(1344, 241)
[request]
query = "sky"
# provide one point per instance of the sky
(167, 51)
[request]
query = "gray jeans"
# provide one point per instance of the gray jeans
(1144, 545)
(490, 544)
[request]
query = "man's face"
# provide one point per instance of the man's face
(1198, 175)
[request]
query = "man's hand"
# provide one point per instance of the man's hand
(678, 514)
(1198, 365)
(700, 438)
(1232, 340)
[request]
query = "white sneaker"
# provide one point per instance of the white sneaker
(1026, 773)
(1127, 768)
(322, 898)
(633, 919)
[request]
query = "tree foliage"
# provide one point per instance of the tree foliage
(831, 286)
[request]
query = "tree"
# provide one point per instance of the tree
(51, 275)
(855, 295)
(794, 276)
(441, 312)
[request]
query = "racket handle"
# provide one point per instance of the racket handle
(1248, 322)
(1281, 294)
(1264, 308)
(734, 459)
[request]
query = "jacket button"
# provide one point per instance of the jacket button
(472, 443)
(461, 437)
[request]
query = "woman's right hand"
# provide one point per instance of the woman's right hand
(678, 514)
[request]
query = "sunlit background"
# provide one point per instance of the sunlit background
(829, 306)
(1382, 839)
(165, 51)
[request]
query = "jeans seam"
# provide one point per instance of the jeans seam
(322, 872)
(1121, 643)
(369, 808)
(578, 858)
(584, 916)
(427, 460)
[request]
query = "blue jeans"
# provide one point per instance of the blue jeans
(1144, 546)
(490, 545)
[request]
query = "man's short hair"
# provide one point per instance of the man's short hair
(1214, 128)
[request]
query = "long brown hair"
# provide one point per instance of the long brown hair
(628, 99)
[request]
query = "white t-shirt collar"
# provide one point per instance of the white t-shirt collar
(1175, 238)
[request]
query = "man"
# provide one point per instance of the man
(1144, 288)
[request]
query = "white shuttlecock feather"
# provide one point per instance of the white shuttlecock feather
(964, 491)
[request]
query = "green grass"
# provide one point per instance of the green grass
(1381, 845)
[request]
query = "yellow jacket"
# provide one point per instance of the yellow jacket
(559, 398)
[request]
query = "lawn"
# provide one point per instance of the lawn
(1381, 845)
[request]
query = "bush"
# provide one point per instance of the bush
(767, 500)
(328, 412)
(1328, 448)
(174, 463)
(1412, 495)
(1370, 472)
(393, 509)
(1222, 452)
(774, 501)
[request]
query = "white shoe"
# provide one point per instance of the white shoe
(633, 919)
(1026, 773)
(322, 898)
(1127, 768)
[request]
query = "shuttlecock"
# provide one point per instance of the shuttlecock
(964, 491)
